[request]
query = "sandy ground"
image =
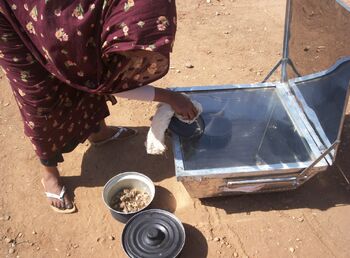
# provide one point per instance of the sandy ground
(235, 41)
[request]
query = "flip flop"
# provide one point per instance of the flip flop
(116, 136)
(59, 197)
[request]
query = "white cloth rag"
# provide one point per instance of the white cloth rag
(160, 122)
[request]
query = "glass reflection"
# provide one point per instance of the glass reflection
(319, 35)
(243, 128)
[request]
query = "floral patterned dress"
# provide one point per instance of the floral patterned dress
(64, 57)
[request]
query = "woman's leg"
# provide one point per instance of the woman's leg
(52, 184)
(31, 85)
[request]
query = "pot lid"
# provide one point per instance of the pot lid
(153, 233)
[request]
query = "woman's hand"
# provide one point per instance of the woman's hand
(181, 104)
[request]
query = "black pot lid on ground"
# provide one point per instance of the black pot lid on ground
(153, 233)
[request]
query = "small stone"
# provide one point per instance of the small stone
(208, 1)
(100, 239)
(6, 104)
(209, 52)
(5, 217)
(298, 239)
(217, 239)
(229, 68)
(38, 248)
(319, 48)
(307, 48)
(31, 244)
(68, 254)
(291, 249)
(178, 71)
(228, 246)
(226, 32)
(189, 65)
(20, 235)
(217, 13)
(34, 232)
(13, 244)
(111, 238)
(11, 251)
(235, 254)
(75, 246)
(8, 240)
(301, 219)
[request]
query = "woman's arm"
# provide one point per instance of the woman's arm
(181, 104)
(145, 93)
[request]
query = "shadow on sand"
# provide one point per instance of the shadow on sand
(101, 163)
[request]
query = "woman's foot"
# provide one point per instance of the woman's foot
(110, 132)
(52, 184)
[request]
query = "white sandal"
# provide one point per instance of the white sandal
(116, 136)
(59, 197)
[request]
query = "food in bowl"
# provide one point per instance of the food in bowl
(130, 200)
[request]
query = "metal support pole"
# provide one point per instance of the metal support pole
(285, 57)
(272, 71)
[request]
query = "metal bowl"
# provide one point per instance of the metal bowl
(122, 181)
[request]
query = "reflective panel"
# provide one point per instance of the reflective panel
(319, 35)
(324, 98)
(319, 38)
(243, 127)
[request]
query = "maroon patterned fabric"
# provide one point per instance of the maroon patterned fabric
(63, 57)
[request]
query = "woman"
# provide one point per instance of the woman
(64, 59)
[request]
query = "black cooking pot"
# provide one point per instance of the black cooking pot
(185, 130)
(153, 233)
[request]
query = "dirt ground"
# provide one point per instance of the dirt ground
(235, 41)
